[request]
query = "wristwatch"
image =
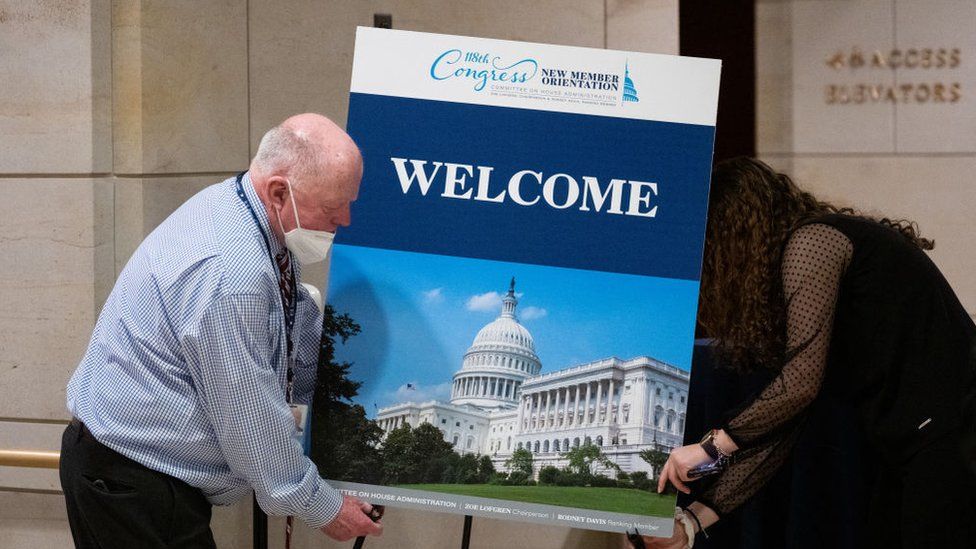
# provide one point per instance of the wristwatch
(708, 444)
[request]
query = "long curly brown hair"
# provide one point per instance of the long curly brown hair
(752, 211)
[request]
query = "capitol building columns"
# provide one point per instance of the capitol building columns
(501, 388)
(640, 415)
(521, 413)
(620, 406)
(576, 405)
(596, 407)
(588, 404)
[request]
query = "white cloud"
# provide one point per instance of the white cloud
(487, 302)
(413, 392)
(532, 313)
(434, 296)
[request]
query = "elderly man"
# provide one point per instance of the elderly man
(183, 397)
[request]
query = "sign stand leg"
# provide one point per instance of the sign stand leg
(466, 536)
(259, 526)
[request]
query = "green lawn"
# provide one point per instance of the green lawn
(614, 500)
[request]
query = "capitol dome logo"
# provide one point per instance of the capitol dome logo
(630, 91)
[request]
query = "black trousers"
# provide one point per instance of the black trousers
(114, 501)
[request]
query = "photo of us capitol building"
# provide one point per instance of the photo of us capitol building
(500, 401)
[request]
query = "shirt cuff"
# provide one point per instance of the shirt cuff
(325, 506)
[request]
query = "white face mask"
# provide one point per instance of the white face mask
(308, 246)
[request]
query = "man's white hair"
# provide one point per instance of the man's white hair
(286, 151)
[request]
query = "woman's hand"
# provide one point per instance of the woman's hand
(679, 540)
(679, 463)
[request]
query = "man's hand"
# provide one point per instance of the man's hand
(679, 463)
(352, 521)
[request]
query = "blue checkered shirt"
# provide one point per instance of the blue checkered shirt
(186, 369)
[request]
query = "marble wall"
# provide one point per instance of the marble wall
(906, 155)
(113, 112)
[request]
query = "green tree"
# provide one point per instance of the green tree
(548, 475)
(566, 477)
(655, 458)
(640, 481)
(584, 459)
(399, 466)
(521, 461)
(355, 453)
(430, 453)
(449, 472)
(466, 471)
(344, 440)
(603, 481)
(413, 456)
(500, 479)
(518, 478)
(485, 469)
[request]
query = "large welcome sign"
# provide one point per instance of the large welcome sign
(523, 265)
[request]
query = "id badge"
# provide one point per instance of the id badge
(302, 425)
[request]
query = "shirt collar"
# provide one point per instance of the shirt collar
(261, 212)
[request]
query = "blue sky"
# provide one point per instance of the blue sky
(419, 313)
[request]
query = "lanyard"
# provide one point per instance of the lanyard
(290, 311)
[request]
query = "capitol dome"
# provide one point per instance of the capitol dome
(504, 332)
(501, 357)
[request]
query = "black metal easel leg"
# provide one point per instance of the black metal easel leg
(636, 540)
(466, 536)
(260, 526)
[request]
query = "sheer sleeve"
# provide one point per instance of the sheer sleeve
(814, 261)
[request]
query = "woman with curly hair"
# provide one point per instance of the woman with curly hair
(872, 394)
